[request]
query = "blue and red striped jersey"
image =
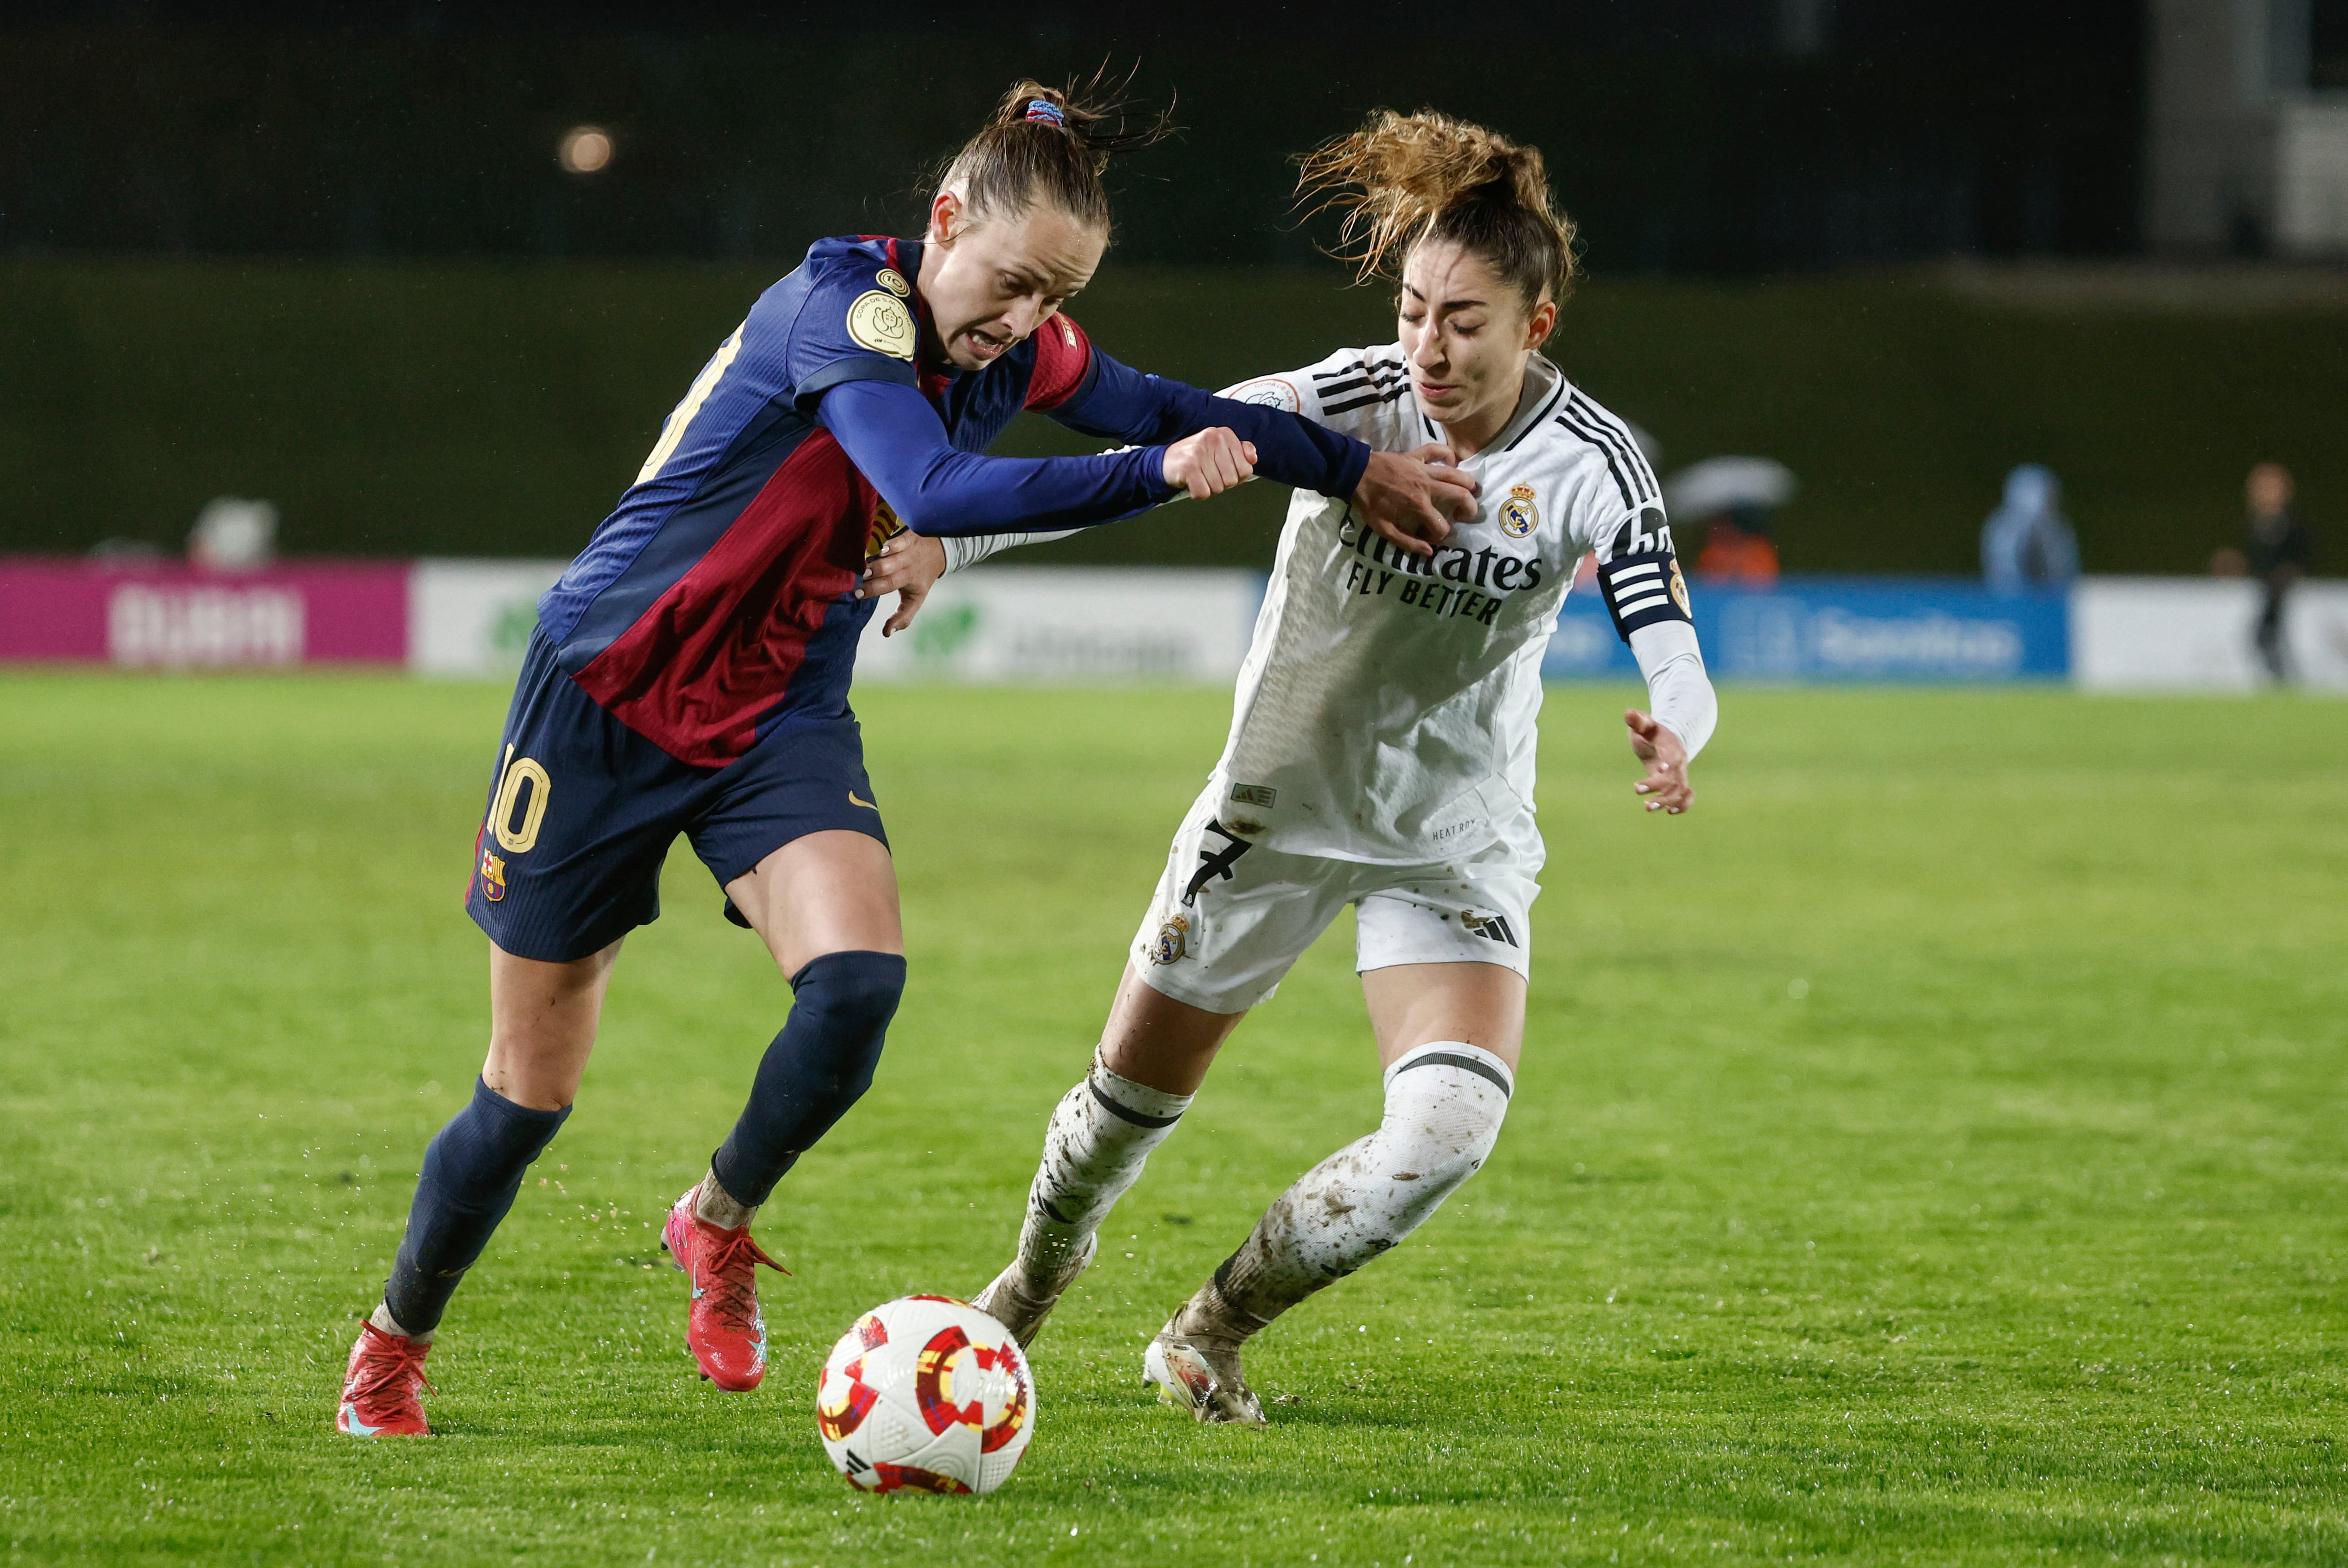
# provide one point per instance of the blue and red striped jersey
(715, 604)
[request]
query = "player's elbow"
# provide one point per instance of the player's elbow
(930, 508)
(920, 514)
(948, 495)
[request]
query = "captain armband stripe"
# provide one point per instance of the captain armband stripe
(1640, 579)
(1641, 589)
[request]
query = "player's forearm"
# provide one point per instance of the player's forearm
(968, 549)
(1679, 693)
(1124, 403)
(895, 440)
(961, 493)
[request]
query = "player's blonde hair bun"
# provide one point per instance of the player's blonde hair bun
(1403, 179)
(1052, 144)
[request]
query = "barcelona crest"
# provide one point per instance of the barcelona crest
(493, 875)
(885, 527)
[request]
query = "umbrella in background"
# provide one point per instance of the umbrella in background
(1735, 501)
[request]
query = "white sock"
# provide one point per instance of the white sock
(1100, 1136)
(714, 1205)
(381, 1317)
(1445, 1102)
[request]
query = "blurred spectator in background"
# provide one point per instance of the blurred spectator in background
(2027, 542)
(233, 534)
(1735, 501)
(2276, 549)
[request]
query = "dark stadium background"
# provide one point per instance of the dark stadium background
(325, 254)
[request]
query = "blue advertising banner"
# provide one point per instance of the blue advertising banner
(1841, 629)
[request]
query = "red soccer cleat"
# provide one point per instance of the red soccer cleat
(381, 1385)
(722, 1328)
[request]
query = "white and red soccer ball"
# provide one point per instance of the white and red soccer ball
(926, 1393)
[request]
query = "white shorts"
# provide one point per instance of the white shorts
(1231, 917)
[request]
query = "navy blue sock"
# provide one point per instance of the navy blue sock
(819, 1066)
(471, 1171)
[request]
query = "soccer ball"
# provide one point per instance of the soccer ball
(926, 1393)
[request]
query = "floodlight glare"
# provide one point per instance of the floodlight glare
(585, 148)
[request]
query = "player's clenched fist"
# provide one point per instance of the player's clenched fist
(1412, 501)
(1209, 462)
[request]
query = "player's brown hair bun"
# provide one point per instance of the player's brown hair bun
(1404, 178)
(1052, 144)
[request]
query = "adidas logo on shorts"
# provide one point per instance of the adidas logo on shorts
(1490, 927)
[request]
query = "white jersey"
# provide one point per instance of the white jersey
(1386, 710)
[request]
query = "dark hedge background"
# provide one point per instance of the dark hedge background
(1678, 131)
(499, 408)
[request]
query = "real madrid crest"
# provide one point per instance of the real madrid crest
(879, 322)
(1173, 941)
(892, 279)
(1519, 514)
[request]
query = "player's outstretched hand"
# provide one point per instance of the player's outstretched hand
(1666, 784)
(1412, 500)
(1209, 462)
(908, 566)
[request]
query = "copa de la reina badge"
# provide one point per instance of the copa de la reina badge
(879, 320)
(1267, 392)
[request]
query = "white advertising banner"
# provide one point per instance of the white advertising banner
(1096, 626)
(2195, 634)
(1071, 626)
(474, 617)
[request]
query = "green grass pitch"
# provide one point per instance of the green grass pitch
(1929, 1151)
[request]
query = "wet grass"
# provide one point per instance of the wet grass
(1928, 1150)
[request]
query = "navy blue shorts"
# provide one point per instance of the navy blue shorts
(582, 810)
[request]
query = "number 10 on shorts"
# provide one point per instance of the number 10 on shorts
(505, 802)
(518, 771)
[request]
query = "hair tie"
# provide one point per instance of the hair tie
(1045, 110)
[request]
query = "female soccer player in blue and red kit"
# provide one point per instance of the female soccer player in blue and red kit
(689, 673)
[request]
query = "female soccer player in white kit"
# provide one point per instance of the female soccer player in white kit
(1381, 754)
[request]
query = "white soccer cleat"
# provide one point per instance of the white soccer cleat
(1202, 1377)
(1010, 1303)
